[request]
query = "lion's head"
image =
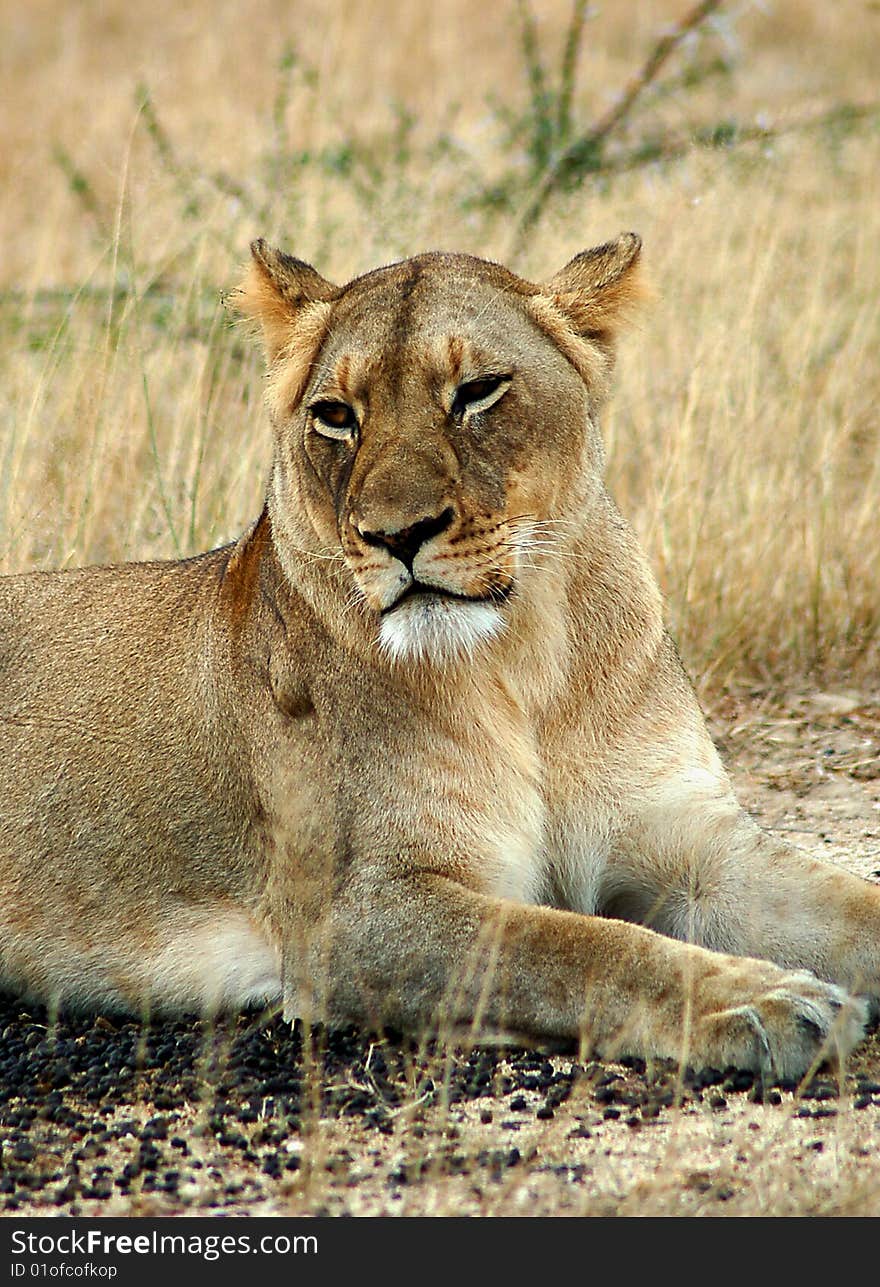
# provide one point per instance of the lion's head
(435, 428)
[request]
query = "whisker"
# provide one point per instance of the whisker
(335, 556)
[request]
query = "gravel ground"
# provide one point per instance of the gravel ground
(250, 1117)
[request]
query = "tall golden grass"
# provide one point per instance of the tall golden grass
(142, 147)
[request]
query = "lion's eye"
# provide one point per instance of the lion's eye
(334, 419)
(477, 395)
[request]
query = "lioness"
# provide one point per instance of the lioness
(416, 748)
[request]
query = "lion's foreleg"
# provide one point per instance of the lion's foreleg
(425, 953)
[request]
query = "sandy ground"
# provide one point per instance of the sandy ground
(384, 1129)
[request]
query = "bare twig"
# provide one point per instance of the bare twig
(573, 38)
(729, 134)
(81, 187)
(659, 55)
(187, 177)
(723, 134)
(590, 143)
(162, 142)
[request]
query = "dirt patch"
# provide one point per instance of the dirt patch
(807, 765)
(249, 1117)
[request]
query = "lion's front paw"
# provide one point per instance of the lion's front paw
(779, 1023)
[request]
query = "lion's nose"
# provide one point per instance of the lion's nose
(405, 542)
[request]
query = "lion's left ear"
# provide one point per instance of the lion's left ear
(598, 287)
(581, 308)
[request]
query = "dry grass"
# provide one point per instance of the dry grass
(743, 437)
(141, 148)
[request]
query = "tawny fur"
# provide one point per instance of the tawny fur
(270, 773)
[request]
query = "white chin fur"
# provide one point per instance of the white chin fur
(430, 628)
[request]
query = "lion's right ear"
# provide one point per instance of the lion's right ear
(286, 297)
